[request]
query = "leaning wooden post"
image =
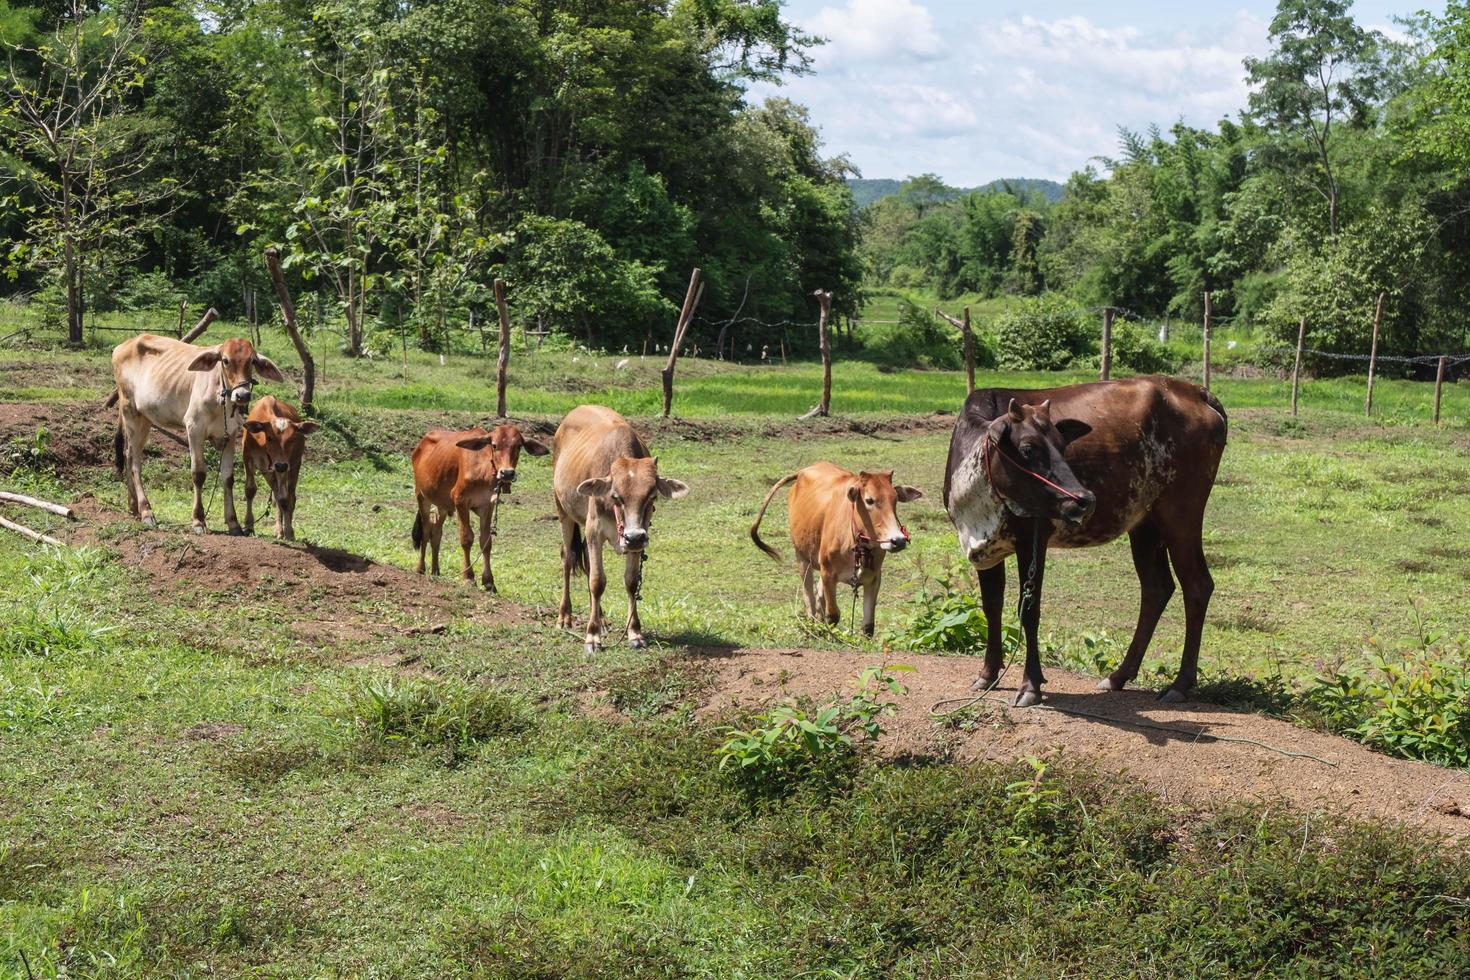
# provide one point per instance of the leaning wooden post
(1296, 367)
(1373, 357)
(288, 314)
(1438, 387)
(1207, 342)
(210, 315)
(1107, 343)
(179, 331)
(824, 298)
(504, 359)
(686, 314)
(969, 354)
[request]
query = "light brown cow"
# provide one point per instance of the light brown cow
(464, 472)
(206, 390)
(843, 525)
(274, 442)
(605, 483)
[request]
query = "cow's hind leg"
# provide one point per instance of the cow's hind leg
(1187, 554)
(569, 561)
(466, 540)
(421, 529)
(808, 593)
(436, 537)
(632, 577)
(135, 439)
(1032, 568)
(1156, 585)
(992, 601)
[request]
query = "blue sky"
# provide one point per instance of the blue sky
(975, 91)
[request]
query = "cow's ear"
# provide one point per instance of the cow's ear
(475, 443)
(673, 489)
(1042, 412)
(306, 428)
(854, 492)
(255, 426)
(1014, 412)
(999, 428)
(204, 361)
(267, 369)
(535, 447)
(1072, 429)
(907, 494)
(599, 487)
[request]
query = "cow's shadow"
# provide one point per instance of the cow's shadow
(1137, 711)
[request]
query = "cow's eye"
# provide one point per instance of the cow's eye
(1029, 450)
(870, 501)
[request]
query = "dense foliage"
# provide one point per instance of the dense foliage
(1344, 176)
(405, 154)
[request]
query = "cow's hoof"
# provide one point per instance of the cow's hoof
(592, 646)
(1025, 698)
(149, 522)
(982, 683)
(199, 528)
(637, 642)
(1173, 696)
(1108, 684)
(489, 587)
(235, 532)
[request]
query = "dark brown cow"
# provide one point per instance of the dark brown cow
(464, 472)
(605, 482)
(843, 525)
(273, 442)
(1078, 466)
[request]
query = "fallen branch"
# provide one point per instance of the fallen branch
(26, 532)
(210, 315)
(20, 498)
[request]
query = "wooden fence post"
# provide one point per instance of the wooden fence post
(686, 315)
(1207, 342)
(288, 314)
(824, 298)
(963, 323)
(183, 305)
(1107, 343)
(1296, 367)
(504, 359)
(1373, 357)
(1438, 387)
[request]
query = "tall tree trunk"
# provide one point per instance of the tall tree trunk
(74, 310)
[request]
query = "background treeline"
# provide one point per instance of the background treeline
(1347, 173)
(404, 154)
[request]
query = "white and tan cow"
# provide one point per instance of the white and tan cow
(204, 390)
(843, 525)
(605, 483)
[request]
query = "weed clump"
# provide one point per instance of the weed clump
(449, 716)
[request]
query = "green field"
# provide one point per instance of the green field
(188, 791)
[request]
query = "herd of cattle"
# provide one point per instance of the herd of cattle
(1027, 471)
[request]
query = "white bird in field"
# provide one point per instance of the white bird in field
(620, 365)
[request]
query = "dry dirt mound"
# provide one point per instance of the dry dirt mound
(332, 600)
(1178, 763)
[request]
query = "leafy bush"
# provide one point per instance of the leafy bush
(951, 621)
(1136, 349)
(1412, 702)
(1042, 334)
(452, 716)
(149, 292)
(796, 741)
(921, 339)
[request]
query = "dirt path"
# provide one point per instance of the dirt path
(1181, 767)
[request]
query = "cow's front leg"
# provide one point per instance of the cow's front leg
(829, 596)
(250, 496)
(196, 468)
(632, 577)
(466, 539)
(487, 542)
(596, 583)
(992, 601)
(1032, 569)
(227, 482)
(286, 506)
(808, 590)
(870, 599)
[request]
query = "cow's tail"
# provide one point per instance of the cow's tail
(418, 530)
(579, 550)
(1219, 410)
(119, 451)
(755, 529)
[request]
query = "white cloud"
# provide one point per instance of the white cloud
(1012, 96)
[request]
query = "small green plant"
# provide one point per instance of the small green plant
(1412, 701)
(951, 621)
(36, 633)
(451, 716)
(798, 741)
(31, 455)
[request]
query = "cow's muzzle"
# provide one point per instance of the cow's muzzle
(635, 539)
(281, 467)
(897, 543)
(1078, 509)
(506, 476)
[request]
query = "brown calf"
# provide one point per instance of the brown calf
(273, 442)
(604, 481)
(464, 472)
(842, 526)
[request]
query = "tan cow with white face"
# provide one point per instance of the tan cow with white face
(605, 483)
(204, 390)
(843, 525)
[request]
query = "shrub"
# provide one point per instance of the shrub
(952, 621)
(1134, 348)
(921, 339)
(1042, 334)
(796, 741)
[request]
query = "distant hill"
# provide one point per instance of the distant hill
(865, 192)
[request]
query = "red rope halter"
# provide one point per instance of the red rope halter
(992, 444)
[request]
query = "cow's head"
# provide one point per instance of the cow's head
(877, 500)
(631, 488)
(238, 365)
(278, 437)
(500, 451)
(1026, 465)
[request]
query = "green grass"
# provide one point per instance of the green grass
(187, 791)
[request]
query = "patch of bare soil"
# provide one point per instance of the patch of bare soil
(79, 432)
(1128, 732)
(329, 599)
